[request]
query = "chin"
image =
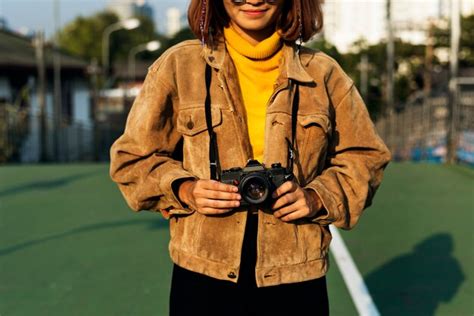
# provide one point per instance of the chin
(252, 26)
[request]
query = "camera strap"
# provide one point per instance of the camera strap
(294, 119)
(213, 152)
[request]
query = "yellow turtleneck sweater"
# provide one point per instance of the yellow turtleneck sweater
(257, 69)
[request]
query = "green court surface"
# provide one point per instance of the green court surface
(69, 245)
(415, 245)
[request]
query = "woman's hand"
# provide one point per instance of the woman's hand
(294, 202)
(209, 197)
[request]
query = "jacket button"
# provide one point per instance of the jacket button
(231, 275)
(190, 125)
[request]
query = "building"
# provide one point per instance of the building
(412, 20)
(173, 21)
(126, 9)
(20, 106)
(347, 21)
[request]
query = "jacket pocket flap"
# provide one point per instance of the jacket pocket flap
(315, 119)
(193, 121)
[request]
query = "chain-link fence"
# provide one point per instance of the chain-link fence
(419, 132)
(26, 138)
(13, 128)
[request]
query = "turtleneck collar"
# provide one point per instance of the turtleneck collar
(262, 50)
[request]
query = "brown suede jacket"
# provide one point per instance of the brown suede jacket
(339, 156)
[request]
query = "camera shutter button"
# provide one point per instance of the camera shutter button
(276, 165)
(232, 275)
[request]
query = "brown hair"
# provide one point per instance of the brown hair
(216, 18)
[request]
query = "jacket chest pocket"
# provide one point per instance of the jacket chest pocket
(315, 131)
(192, 125)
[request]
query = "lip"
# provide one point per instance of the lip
(255, 13)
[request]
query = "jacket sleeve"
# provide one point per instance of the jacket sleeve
(141, 159)
(355, 162)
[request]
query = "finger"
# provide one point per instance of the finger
(286, 210)
(213, 211)
(219, 195)
(293, 216)
(217, 204)
(219, 186)
(288, 198)
(204, 190)
(286, 187)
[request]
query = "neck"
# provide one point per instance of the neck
(254, 37)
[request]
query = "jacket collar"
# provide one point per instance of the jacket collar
(294, 70)
(294, 67)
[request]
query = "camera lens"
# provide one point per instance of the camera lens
(254, 189)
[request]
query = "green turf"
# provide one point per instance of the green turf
(70, 246)
(414, 246)
(340, 302)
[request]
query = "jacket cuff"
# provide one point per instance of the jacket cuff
(173, 203)
(330, 211)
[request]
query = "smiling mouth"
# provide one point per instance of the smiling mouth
(254, 12)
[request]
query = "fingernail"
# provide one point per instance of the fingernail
(239, 197)
(236, 204)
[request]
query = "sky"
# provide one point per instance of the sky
(33, 15)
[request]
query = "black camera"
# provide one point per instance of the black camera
(255, 182)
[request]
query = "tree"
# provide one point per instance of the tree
(409, 67)
(466, 54)
(14, 128)
(183, 35)
(467, 41)
(83, 36)
(323, 45)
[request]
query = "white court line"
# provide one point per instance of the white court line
(351, 275)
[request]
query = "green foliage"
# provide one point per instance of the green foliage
(166, 43)
(123, 41)
(182, 35)
(443, 39)
(83, 36)
(466, 55)
(323, 45)
(409, 63)
(14, 129)
(409, 66)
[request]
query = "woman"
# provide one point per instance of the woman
(270, 100)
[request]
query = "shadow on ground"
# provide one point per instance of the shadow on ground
(151, 224)
(417, 282)
(46, 184)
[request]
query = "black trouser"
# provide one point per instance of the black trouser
(197, 294)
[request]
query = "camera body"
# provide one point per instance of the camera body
(256, 183)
